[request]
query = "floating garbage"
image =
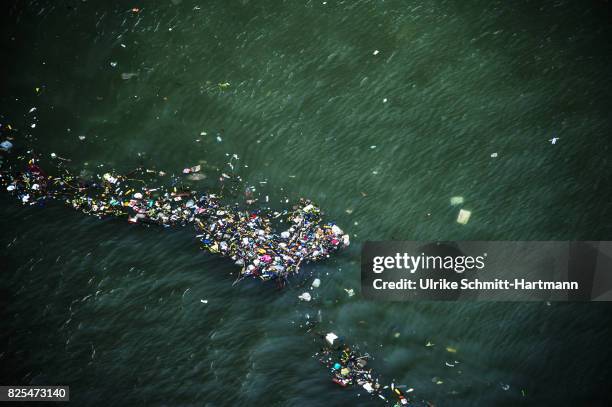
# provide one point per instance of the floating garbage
(245, 236)
(331, 337)
(128, 75)
(350, 291)
(305, 297)
(456, 200)
(348, 367)
(464, 216)
(6, 145)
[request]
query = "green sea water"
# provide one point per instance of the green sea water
(380, 111)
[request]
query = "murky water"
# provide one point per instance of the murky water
(381, 140)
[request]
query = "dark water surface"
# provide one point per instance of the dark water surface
(114, 310)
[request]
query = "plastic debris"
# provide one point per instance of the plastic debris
(316, 283)
(348, 367)
(305, 297)
(350, 291)
(245, 236)
(375, 52)
(464, 216)
(493, 155)
(189, 170)
(451, 350)
(429, 344)
(128, 75)
(6, 145)
(456, 200)
(331, 337)
(204, 301)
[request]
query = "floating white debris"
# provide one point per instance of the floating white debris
(204, 301)
(464, 216)
(316, 283)
(372, 147)
(32, 110)
(331, 337)
(113, 64)
(493, 155)
(456, 200)
(350, 291)
(81, 138)
(385, 100)
(346, 239)
(375, 52)
(33, 125)
(219, 139)
(305, 297)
